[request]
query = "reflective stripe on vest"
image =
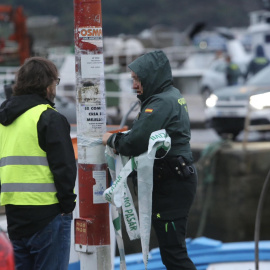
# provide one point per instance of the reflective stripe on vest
(28, 187)
(26, 178)
(23, 160)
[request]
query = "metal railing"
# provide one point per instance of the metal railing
(7, 75)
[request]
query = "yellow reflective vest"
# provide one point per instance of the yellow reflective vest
(25, 175)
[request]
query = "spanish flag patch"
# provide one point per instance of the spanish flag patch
(148, 110)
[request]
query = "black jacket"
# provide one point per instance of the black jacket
(54, 139)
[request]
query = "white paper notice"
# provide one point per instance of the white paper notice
(92, 118)
(99, 187)
(92, 66)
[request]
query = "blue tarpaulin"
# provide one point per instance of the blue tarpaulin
(203, 252)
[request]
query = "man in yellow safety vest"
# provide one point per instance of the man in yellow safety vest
(37, 169)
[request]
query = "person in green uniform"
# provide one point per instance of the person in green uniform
(175, 178)
(233, 72)
(259, 62)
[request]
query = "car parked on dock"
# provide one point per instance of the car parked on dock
(227, 108)
(213, 78)
(7, 261)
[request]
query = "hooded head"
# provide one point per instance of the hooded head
(154, 71)
(259, 51)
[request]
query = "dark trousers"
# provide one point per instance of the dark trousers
(46, 249)
(171, 237)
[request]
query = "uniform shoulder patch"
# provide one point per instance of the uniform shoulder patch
(181, 101)
(148, 110)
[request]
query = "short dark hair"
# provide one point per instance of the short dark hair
(34, 76)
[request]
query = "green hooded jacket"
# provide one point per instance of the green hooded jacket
(163, 107)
